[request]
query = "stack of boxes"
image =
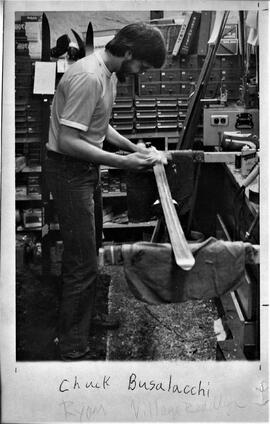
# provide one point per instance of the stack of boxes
(28, 115)
(168, 114)
(113, 181)
(146, 114)
(122, 118)
(28, 129)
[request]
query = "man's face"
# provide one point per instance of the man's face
(131, 67)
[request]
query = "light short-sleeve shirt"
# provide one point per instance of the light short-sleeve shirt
(84, 100)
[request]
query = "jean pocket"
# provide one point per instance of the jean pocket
(79, 171)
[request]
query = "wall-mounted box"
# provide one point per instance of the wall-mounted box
(234, 118)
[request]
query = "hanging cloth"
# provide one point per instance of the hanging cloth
(153, 276)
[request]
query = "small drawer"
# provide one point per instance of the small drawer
(189, 74)
(125, 90)
(123, 104)
(149, 89)
(167, 125)
(186, 88)
(123, 126)
(150, 76)
(230, 62)
(182, 103)
(230, 74)
(146, 126)
(191, 61)
(182, 116)
(167, 115)
(170, 75)
(34, 129)
(167, 103)
(20, 116)
(33, 189)
(146, 103)
(170, 88)
(146, 115)
(123, 115)
(34, 118)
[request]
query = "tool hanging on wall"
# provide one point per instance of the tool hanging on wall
(186, 138)
(74, 51)
(89, 41)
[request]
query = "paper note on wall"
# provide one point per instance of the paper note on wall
(44, 79)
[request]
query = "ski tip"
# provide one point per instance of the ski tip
(185, 263)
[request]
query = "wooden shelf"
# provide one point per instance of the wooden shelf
(115, 194)
(27, 198)
(29, 169)
(25, 229)
(27, 140)
(154, 134)
(112, 225)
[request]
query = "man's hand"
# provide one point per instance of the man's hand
(141, 161)
(160, 155)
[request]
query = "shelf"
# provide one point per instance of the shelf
(29, 169)
(154, 134)
(112, 225)
(115, 194)
(26, 229)
(28, 197)
(27, 140)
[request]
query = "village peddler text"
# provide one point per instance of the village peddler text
(135, 384)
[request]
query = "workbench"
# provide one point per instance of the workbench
(223, 210)
(232, 215)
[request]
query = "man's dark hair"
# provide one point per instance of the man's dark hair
(144, 41)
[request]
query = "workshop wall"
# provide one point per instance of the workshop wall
(61, 22)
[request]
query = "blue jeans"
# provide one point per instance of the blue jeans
(72, 184)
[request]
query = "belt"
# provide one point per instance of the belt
(64, 158)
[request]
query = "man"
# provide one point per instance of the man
(79, 124)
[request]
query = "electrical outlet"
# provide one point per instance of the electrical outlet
(219, 120)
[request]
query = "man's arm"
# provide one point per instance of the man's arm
(71, 144)
(115, 138)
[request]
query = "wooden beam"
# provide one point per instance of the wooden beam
(207, 157)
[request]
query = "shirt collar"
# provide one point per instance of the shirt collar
(100, 60)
